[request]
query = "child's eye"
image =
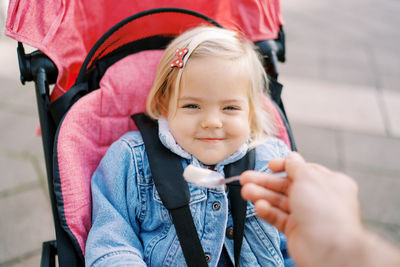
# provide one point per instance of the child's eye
(191, 106)
(231, 108)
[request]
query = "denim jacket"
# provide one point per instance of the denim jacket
(131, 227)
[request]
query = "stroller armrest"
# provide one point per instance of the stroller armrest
(49, 252)
(29, 64)
(273, 51)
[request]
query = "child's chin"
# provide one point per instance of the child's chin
(210, 161)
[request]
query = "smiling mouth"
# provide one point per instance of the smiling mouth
(210, 140)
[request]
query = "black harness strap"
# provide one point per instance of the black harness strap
(238, 205)
(167, 170)
(174, 192)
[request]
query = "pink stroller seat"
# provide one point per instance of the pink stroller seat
(97, 120)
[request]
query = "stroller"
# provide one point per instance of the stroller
(96, 67)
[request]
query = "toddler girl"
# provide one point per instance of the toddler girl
(207, 98)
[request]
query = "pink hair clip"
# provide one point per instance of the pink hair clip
(179, 62)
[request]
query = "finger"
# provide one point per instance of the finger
(266, 180)
(319, 168)
(254, 193)
(276, 165)
(271, 214)
(295, 166)
(294, 157)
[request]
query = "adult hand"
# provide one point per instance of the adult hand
(316, 208)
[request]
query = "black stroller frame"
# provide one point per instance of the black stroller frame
(39, 68)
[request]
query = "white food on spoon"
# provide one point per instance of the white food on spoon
(202, 176)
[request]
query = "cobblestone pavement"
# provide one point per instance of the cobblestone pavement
(342, 96)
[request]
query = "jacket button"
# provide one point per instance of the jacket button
(229, 233)
(208, 257)
(216, 205)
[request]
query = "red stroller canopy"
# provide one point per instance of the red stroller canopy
(66, 30)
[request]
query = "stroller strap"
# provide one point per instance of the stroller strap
(238, 204)
(60, 106)
(167, 170)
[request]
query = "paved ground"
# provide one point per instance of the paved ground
(342, 95)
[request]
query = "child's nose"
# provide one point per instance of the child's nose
(211, 120)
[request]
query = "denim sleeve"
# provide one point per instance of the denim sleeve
(274, 148)
(271, 149)
(113, 239)
(283, 150)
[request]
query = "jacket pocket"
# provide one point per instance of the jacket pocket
(197, 194)
(167, 251)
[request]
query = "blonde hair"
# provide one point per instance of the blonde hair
(212, 42)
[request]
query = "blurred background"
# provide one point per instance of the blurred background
(341, 92)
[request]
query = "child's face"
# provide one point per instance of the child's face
(212, 117)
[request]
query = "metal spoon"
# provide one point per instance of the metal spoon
(211, 179)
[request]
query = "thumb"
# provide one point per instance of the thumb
(294, 165)
(295, 157)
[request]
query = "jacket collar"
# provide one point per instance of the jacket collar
(169, 142)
